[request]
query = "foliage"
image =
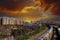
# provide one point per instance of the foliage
(24, 34)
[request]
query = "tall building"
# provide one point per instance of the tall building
(1, 21)
(5, 20)
(10, 21)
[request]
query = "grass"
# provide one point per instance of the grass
(26, 36)
(1, 38)
(38, 31)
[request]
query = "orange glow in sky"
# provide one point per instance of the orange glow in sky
(29, 10)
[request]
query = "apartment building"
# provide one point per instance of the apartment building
(10, 21)
(0, 21)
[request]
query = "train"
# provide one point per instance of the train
(47, 35)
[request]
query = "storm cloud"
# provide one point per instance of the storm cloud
(14, 4)
(48, 3)
(14, 7)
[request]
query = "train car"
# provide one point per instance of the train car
(49, 34)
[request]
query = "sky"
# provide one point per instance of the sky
(31, 10)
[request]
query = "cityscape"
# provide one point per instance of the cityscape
(29, 19)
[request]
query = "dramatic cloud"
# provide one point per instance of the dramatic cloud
(46, 4)
(34, 13)
(26, 8)
(15, 4)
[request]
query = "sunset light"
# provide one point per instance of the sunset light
(29, 19)
(26, 9)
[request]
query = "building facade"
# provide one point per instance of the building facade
(10, 21)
